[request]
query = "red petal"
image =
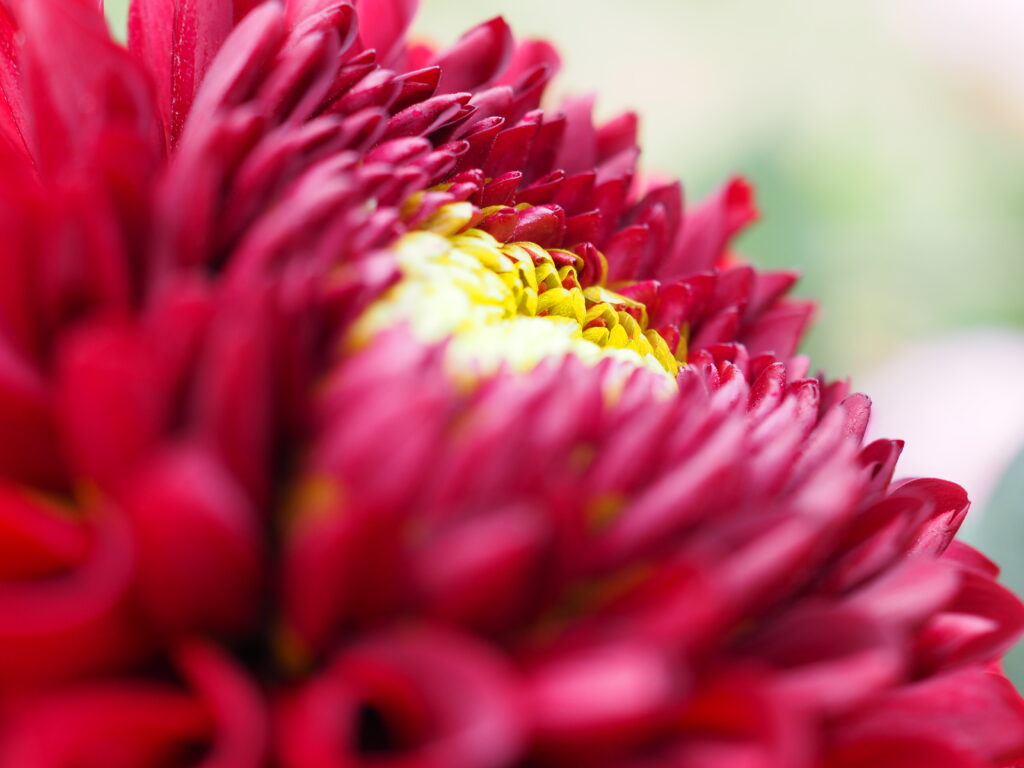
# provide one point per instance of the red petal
(110, 724)
(115, 399)
(36, 539)
(12, 107)
(242, 62)
(382, 26)
(73, 623)
(980, 624)
(603, 699)
(579, 149)
(406, 680)
(234, 390)
(528, 57)
(31, 451)
(82, 83)
(477, 58)
(483, 572)
(900, 752)
(199, 547)
(233, 703)
(177, 40)
(975, 711)
(708, 229)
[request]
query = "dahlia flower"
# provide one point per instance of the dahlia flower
(358, 410)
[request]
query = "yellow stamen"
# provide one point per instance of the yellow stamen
(508, 303)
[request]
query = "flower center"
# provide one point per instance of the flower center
(510, 303)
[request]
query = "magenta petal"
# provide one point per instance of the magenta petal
(510, 149)
(233, 703)
(36, 541)
(125, 722)
(177, 40)
(199, 552)
(483, 573)
(404, 680)
(579, 150)
(110, 723)
(12, 107)
(778, 330)
(115, 399)
(382, 25)
(76, 622)
(979, 624)
(617, 135)
(240, 64)
(477, 58)
(708, 228)
(830, 658)
(626, 251)
(25, 410)
(70, 38)
(975, 711)
(528, 56)
(601, 699)
(233, 390)
(900, 752)
(224, 480)
(543, 225)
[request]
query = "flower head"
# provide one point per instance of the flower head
(356, 410)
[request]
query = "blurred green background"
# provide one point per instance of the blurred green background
(886, 139)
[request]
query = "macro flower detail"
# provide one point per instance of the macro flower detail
(360, 407)
(516, 302)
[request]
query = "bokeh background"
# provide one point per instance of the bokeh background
(886, 139)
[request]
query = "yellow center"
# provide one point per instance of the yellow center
(510, 304)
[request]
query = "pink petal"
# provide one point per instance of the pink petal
(177, 40)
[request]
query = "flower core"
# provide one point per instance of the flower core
(513, 303)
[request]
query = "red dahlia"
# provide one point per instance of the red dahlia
(355, 410)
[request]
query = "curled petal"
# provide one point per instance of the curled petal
(76, 622)
(124, 723)
(391, 695)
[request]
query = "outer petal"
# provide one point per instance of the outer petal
(240, 732)
(900, 753)
(382, 26)
(708, 228)
(395, 692)
(982, 623)
(76, 622)
(114, 401)
(80, 83)
(176, 40)
(600, 700)
(108, 725)
(975, 711)
(12, 108)
(26, 411)
(35, 540)
(198, 543)
(477, 59)
(135, 724)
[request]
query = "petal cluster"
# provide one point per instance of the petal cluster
(238, 531)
